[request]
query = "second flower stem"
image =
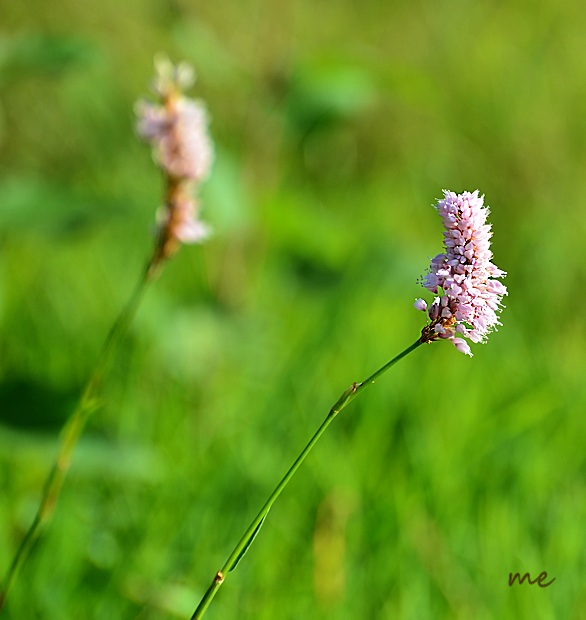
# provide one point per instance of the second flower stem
(72, 430)
(254, 527)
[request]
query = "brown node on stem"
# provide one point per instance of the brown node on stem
(219, 578)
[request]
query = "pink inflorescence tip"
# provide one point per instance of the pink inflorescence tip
(470, 298)
(177, 127)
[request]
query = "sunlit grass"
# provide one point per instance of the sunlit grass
(428, 491)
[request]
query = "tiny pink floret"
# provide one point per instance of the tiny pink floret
(420, 304)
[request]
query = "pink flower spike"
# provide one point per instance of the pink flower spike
(472, 297)
(177, 129)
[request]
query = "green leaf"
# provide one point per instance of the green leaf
(250, 541)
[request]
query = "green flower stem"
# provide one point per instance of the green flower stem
(246, 540)
(73, 428)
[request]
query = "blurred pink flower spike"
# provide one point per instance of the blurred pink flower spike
(177, 128)
(469, 297)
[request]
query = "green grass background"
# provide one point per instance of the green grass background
(337, 125)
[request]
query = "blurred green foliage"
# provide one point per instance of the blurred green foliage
(336, 126)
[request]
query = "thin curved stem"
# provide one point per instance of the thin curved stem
(257, 522)
(72, 430)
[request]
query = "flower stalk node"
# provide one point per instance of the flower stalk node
(346, 397)
(428, 335)
(219, 578)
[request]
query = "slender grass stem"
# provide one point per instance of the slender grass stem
(257, 522)
(88, 402)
